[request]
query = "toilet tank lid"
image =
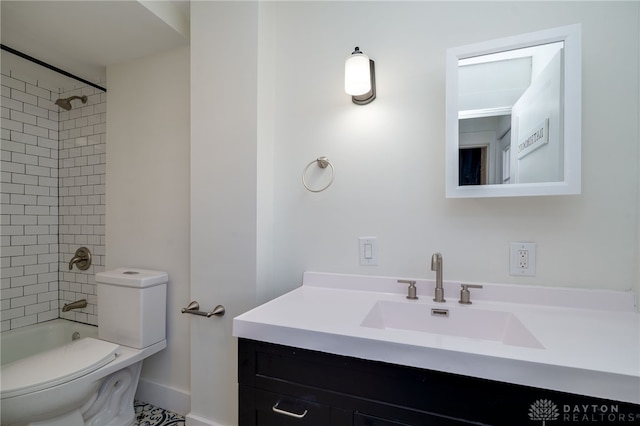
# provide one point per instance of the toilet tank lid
(132, 277)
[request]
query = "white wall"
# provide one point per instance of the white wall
(147, 192)
(389, 155)
(224, 197)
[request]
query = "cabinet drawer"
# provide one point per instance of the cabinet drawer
(281, 410)
(406, 419)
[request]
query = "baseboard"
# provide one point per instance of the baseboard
(163, 396)
(193, 420)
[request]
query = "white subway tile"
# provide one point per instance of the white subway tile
(13, 146)
(12, 272)
(10, 314)
(36, 110)
(47, 124)
(13, 83)
(36, 269)
(38, 91)
(12, 167)
(22, 117)
(13, 188)
(48, 143)
(36, 249)
(37, 210)
(36, 190)
(38, 150)
(11, 103)
(23, 77)
(22, 240)
(38, 170)
(24, 220)
(52, 163)
(36, 131)
(23, 178)
(37, 308)
(20, 95)
(47, 316)
(47, 201)
(24, 138)
(17, 302)
(24, 321)
(12, 125)
(13, 251)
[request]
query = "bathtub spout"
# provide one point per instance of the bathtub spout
(78, 304)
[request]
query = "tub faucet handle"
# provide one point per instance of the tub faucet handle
(82, 259)
(465, 294)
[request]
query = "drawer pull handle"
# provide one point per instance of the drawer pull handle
(288, 413)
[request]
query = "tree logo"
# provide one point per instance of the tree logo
(543, 409)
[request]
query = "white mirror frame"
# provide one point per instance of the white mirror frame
(572, 86)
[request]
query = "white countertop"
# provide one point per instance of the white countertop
(590, 338)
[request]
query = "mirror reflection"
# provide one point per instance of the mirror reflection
(513, 115)
(510, 116)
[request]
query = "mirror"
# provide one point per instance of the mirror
(513, 116)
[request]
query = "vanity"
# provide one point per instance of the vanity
(353, 350)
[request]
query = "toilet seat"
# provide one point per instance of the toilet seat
(56, 366)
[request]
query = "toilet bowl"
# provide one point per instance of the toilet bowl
(92, 381)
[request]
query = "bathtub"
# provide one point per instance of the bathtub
(99, 395)
(33, 339)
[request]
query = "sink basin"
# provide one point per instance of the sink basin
(471, 322)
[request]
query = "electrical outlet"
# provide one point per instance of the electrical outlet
(523, 259)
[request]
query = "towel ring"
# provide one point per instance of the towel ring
(322, 162)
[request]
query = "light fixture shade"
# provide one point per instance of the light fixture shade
(357, 74)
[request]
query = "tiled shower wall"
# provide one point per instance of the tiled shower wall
(29, 203)
(52, 178)
(82, 175)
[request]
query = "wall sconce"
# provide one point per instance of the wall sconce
(360, 78)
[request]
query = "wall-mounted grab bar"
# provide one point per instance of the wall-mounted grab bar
(194, 309)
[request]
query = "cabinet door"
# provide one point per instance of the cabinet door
(281, 410)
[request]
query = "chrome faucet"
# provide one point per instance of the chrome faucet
(436, 265)
(78, 304)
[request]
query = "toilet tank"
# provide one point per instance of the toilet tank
(132, 306)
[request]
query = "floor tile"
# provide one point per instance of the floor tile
(149, 415)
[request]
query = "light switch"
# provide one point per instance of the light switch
(368, 250)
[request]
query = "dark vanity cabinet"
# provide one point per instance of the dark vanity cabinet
(284, 386)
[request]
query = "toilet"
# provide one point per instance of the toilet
(93, 381)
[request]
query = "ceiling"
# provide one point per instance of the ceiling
(84, 37)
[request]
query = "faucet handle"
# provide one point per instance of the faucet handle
(412, 293)
(465, 294)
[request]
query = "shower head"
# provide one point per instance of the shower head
(66, 102)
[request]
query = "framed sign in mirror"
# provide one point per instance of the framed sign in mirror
(513, 116)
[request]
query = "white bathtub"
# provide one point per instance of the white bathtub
(33, 339)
